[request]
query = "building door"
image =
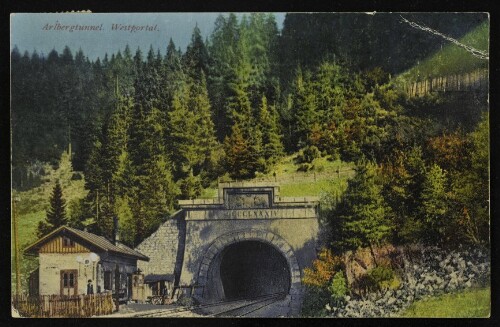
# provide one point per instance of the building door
(69, 282)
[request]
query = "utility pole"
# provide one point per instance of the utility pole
(16, 244)
(97, 207)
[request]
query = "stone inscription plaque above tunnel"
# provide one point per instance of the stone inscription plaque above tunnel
(248, 201)
(274, 213)
(245, 199)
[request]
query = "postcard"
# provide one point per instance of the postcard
(250, 165)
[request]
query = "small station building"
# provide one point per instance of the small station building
(72, 261)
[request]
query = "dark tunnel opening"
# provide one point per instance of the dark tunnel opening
(251, 268)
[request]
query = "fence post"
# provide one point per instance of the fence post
(80, 306)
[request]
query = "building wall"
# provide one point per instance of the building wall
(162, 248)
(51, 265)
(109, 263)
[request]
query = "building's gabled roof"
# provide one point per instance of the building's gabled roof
(93, 240)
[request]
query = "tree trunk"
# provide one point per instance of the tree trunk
(373, 255)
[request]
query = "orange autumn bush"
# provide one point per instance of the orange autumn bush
(323, 269)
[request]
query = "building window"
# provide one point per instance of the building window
(68, 279)
(71, 280)
(107, 280)
(67, 242)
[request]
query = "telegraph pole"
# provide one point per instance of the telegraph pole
(16, 244)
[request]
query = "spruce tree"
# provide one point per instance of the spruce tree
(304, 109)
(151, 190)
(196, 58)
(56, 214)
(225, 56)
(245, 138)
(271, 137)
(239, 159)
(434, 205)
(361, 218)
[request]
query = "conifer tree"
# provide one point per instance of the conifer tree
(56, 214)
(304, 110)
(246, 130)
(239, 158)
(190, 134)
(151, 190)
(271, 138)
(434, 205)
(225, 55)
(181, 136)
(361, 218)
(196, 58)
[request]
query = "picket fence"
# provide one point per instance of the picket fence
(52, 306)
(467, 82)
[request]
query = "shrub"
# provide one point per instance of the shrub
(338, 288)
(383, 278)
(305, 167)
(190, 187)
(378, 278)
(308, 154)
(314, 303)
(323, 269)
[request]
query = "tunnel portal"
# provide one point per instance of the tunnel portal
(252, 268)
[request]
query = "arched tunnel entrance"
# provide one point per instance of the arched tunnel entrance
(252, 268)
(246, 269)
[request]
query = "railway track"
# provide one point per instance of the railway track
(252, 307)
(234, 308)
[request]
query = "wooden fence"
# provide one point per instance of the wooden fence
(468, 82)
(50, 306)
(306, 176)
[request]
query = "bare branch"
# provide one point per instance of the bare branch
(475, 52)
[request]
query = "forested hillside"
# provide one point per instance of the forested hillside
(149, 126)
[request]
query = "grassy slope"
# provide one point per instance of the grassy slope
(452, 59)
(317, 182)
(472, 303)
(33, 205)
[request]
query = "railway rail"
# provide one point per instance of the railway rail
(233, 308)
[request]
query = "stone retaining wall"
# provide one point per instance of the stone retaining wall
(425, 272)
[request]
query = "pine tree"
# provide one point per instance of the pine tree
(206, 141)
(104, 225)
(470, 192)
(150, 187)
(181, 135)
(196, 58)
(434, 204)
(271, 138)
(56, 214)
(245, 138)
(172, 78)
(190, 133)
(304, 109)
(403, 180)
(361, 218)
(225, 56)
(239, 158)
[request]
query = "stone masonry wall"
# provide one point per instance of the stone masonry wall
(300, 234)
(161, 248)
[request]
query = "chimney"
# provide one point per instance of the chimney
(116, 237)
